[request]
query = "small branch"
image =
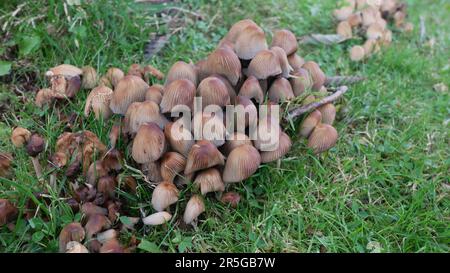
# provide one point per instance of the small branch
(423, 30)
(309, 107)
(324, 39)
(37, 167)
(343, 80)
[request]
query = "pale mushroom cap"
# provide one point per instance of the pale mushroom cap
(164, 195)
(357, 53)
(234, 140)
(177, 92)
(154, 93)
(128, 90)
(67, 70)
(89, 79)
(249, 42)
(182, 70)
(252, 89)
(179, 137)
(237, 28)
(98, 100)
(44, 96)
(20, 136)
(322, 138)
(241, 163)
(281, 91)
(75, 247)
(344, 29)
(203, 155)
(213, 91)
(149, 143)
(143, 112)
(209, 180)
(172, 164)
(284, 146)
(157, 218)
(114, 75)
(224, 61)
(106, 235)
(286, 40)
(194, 208)
(317, 75)
(310, 123)
(264, 65)
(328, 112)
(283, 60)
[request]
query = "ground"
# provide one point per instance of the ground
(384, 187)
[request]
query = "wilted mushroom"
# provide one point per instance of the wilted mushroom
(98, 100)
(164, 195)
(43, 97)
(75, 247)
(194, 208)
(209, 180)
(20, 136)
(8, 212)
(71, 232)
(157, 218)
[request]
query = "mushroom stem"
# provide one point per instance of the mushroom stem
(309, 107)
(37, 167)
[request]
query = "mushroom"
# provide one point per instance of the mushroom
(213, 91)
(65, 70)
(237, 28)
(357, 53)
(209, 126)
(128, 90)
(113, 76)
(310, 122)
(89, 79)
(164, 195)
(264, 65)
(344, 29)
(71, 232)
(140, 113)
(106, 235)
(322, 138)
(95, 224)
(245, 113)
(99, 99)
(343, 13)
(328, 112)
(242, 162)
(5, 164)
(354, 20)
(370, 46)
(284, 146)
(20, 136)
(224, 61)
(172, 164)
(112, 246)
(202, 155)
(182, 71)
(252, 89)
(283, 60)
(317, 75)
(153, 171)
(234, 140)
(230, 88)
(8, 212)
(209, 180)
(107, 186)
(179, 137)
(75, 247)
(281, 91)
(268, 132)
(96, 170)
(295, 61)
(34, 147)
(194, 208)
(43, 97)
(231, 198)
(301, 81)
(286, 40)
(116, 133)
(149, 143)
(135, 70)
(157, 218)
(375, 31)
(154, 93)
(177, 92)
(89, 209)
(150, 71)
(249, 42)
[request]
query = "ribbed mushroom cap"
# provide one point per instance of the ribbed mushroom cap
(343, 13)
(246, 113)
(153, 171)
(344, 29)
(264, 65)
(283, 60)
(157, 218)
(284, 146)
(71, 232)
(89, 79)
(268, 132)
(234, 140)
(149, 143)
(20, 136)
(281, 91)
(310, 122)
(355, 19)
(357, 53)
(65, 70)
(328, 112)
(209, 127)
(129, 89)
(224, 61)
(237, 28)
(202, 70)
(374, 31)
(322, 138)
(194, 208)
(143, 112)
(135, 70)
(44, 96)
(213, 91)
(209, 180)
(114, 75)
(286, 40)
(295, 61)
(154, 93)
(172, 164)
(98, 100)
(249, 42)
(252, 90)
(178, 92)
(182, 70)
(179, 137)
(203, 155)
(242, 163)
(317, 75)
(164, 195)
(230, 88)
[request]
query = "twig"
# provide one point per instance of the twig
(423, 30)
(325, 39)
(343, 80)
(307, 108)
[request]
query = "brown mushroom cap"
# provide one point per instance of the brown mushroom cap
(143, 112)
(182, 70)
(150, 71)
(129, 89)
(264, 65)
(107, 186)
(172, 164)
(283, 60)
(322, 138)
(237, 28)
(344, 29)
(249, 42)
(245, 110)
(177, 92)
(112, 246)
(20, 136)
(213, 91)
(355, 19)
(99, 99)
(286, 40)
(95, 224)
(89, 79)
(194, 208)
(65, 70)
(357, 53)
(284, 146)
(295, 61)
(5, 164)
(149, 143)
(328, 112)
(71, 232)
(203, 155)
(44, 96)
(252, 90)
(209, 180)
(153, 171)
(375, 31)
(179, 137)
(234, 140)
(154, 93)
(224, 61)
(317, 75)
(35, 145)
(281, 91)
(310, 122)
(242, 162)
(113, 76)
(8, 212)
(164, 195)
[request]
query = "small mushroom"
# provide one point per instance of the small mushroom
(75, 247)
(65, 70)
(98, 100)
(203, 155)
(139, 113)
(20, 136)
(89, 79)
(149, 143)
(322, 138)
(96, 170)
(224, 61)
(150, 71)
(128, 90)
(209, 126)
(135, 70)
(231, 198)
(179, 137)
(264, 65)
(43, 97)
(310, 122)
(117, 132)
(354, 20)
(95, 224)
(182, 71)
(213, 91)
(112, 246)
(252, 89)
(281, 91)
(209, 180)
(237, 28)
(328, 112)
(284, 146)
(114, 76)
(295, 61)
(249, 42)
(172, 164)
(194, 208)
(153, 171)
(245, 113)
(164, 195)
(344, 29)
(357, 53)
(283, 60)
(5, 164)
(301, 81)
(154, 93)
(177, 92)
(35, 146)
(107, 235)
(286, 40)
(107, 186)
(8, 212)
(71, 232)
(375, 31)
(112, 160)
(242, 162)
(317, 75)
(157, 218)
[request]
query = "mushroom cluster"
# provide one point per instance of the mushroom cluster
(370, 19)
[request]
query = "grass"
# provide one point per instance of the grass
(384, 187)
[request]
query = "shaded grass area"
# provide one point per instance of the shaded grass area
(384, 187)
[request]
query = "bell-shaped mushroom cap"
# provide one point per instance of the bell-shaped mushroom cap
(357, 53)
(209, 180)
(310, 122)
(75, 247)
(154, 93)
(369, 16)
(370, 46)
(143, 112)
(375, 31)
(230, 88)
(281, 91)
(153, 171)
(249, 42)
(355, 19)
(252, 90)
(209, 126)
(343, 13)
(20, 136)
(242, 163)
(213, 91)
(237, 28)
(164, 195)
(114, 75)
(182, 70)
(172, 164)
(66, 70)
(35, 145)
(245, 111)
(317, 75)
(224, 61)
(322, 138)
(44, 96)
(135, 70)
(149, 143)
(264, 65)
(157, 218)
(284, 145)
(98, 100)
(344, 29)
(283, 60)
(234, 140)
(328, 112)
(203, 155)
(71, 232)
(178, 92)
(295, 61)
(89, 78)
(129, 89)
(268, 134)
(286, 40)
(194, 208)
(179, 137)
